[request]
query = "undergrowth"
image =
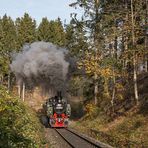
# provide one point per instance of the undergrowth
(19, 125)
(130, 130)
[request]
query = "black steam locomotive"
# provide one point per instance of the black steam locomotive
(57, 111)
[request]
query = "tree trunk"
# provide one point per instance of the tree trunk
(115, 47)
(19, 90)
(9, 81)
(1, 79)
(127, 61)
(106, 87)
(134, 57)
(146, 38)
(135, 80)
(96, 90)
(23, 93)
(20, 84)
(114, 91)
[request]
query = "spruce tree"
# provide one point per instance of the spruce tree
(57, 34)
(43, 31)
(51, 31)
(8, 45)
(8, 35)
(76, 40)
(26, 30)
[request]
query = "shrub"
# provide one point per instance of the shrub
(91, 110)
(19, 125)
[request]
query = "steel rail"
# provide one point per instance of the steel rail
(64, 138)
(88, 140)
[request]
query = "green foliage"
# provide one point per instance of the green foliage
(76, 86)
(8, 39)
(57, 33)
(19, 125)
(26, 30)
(51, 31)
(76, 40)
(8, 43)
(43, 31)
(13, 35)
(111, 51)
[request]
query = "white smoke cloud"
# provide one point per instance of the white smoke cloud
(41, 63)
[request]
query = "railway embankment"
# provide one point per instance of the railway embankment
(128, 130)
(19, 124)
(127, 126)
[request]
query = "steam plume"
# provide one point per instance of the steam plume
(41, 63)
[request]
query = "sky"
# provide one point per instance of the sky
(37, 9)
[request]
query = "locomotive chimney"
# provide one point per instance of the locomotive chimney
(59, 94)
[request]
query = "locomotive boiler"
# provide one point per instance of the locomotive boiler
(57, 111)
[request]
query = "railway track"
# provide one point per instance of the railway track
(76, 140)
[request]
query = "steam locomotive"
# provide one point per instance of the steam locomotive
(57, 111)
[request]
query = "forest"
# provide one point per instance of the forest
(109, 44)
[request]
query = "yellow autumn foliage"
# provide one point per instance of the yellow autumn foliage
(92, 65)
(91, 109)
